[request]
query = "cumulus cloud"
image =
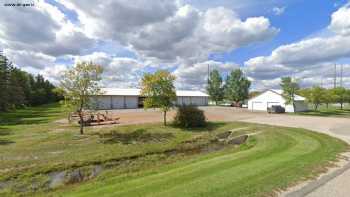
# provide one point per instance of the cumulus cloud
(54, 73)
(175, 33)
(113, 18)
(118, 71)
(194, 77)
(340, 22)
(42, 28)
(278, 10)
(306, 57)
(29, 59)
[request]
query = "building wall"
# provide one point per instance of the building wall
(116, 102)
(131, 102)
(192, 100)
(269, 98)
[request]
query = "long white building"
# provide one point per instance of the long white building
(116, 98)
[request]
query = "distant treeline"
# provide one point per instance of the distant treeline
(19, 88)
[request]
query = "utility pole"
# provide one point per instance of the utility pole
(341, 75)
(208, 74)
(335, 76)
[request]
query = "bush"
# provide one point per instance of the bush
(189, 117)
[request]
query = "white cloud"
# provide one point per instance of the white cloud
(194, 77)
(307, 58)
(42, 28)
(29, 59)
(340, 23)
(278, 10)
(54, 73)
(175, 33)
(118, 71)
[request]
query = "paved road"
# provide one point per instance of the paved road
(334, 184)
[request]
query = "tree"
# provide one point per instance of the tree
(340, 96)
(328, 97)
(19, 88)
(316, 96)
(237, 86)
(4, 82)
(78, 84)
(159, 90)
(289, 88)
(215, 88)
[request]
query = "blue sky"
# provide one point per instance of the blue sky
(267, 39)
(299, 20)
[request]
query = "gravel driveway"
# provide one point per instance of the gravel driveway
(335, 183)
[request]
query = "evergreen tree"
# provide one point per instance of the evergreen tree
(4, 83)
(19, 88)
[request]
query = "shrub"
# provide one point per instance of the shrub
(189, 117)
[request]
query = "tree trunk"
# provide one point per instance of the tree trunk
(81, 122)
(164, 113)
(327, 105)
(294, 107)
(341, 105)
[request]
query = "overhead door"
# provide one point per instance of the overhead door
(131, 102)
(118, 102)
(186, 100)
(103, 102)
(259, 106)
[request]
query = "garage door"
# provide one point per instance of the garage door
(104, 102)
(259, 106)
(118, 102)
(131, 102)
(186, 100)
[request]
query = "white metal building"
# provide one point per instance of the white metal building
(115, 98)
(274, 97)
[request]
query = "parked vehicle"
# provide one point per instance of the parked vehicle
(276, 109)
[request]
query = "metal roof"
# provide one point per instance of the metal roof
(137, 92)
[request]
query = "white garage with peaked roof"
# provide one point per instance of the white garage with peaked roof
(274, 97)
(116, 98)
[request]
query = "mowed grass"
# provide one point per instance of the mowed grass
(273, 159)
(331, 111)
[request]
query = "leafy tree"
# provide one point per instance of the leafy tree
(254, 94)
(159, 90)
(328, 97)
(78, 84)
(340, 95)
(289, 88)
(237, 86)
(316, 96)
(215, 88)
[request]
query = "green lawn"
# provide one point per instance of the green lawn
(35, 144)
(331, 111)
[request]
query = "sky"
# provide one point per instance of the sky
(266, 39)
